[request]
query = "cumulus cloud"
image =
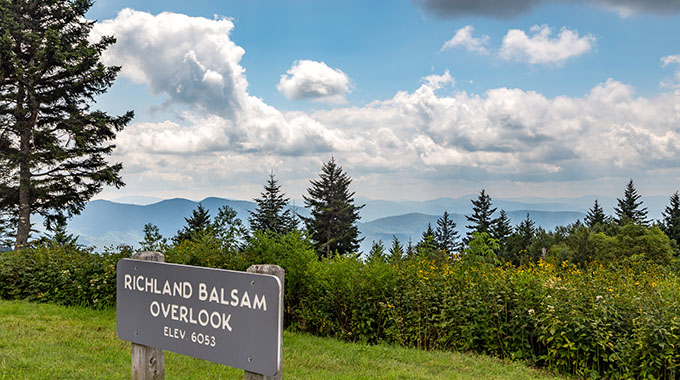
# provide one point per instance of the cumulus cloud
(504, 133)
(541, 48)
(314, 80)
(192, 61)
(189, 59)
(463, 38)
(508, 9)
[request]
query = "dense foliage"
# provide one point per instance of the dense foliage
(596, 300)
(53, 148)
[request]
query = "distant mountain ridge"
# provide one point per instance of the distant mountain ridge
(104, 223)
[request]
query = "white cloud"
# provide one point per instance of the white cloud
(412, 138)
(314, 80)
(540, 48)
(189, 59)
(463, 38)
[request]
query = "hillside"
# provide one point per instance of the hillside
(104, 223)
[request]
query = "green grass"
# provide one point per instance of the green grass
(44, 341)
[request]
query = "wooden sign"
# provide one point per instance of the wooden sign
(228, 317)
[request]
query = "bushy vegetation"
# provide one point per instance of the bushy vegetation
(600, 299)
(615, 320)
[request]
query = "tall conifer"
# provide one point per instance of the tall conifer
(446, 236)
(629, 207)
(671, 219)
(272, 212)
(595, 216)
(481, 219)
(52, 145)
(332, 225)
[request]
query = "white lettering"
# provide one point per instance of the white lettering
(202, 292)
(234, 297)
(166, 288)
(165, 311)
(183, 311)
(225, 322)
(245, 300)
(260, 303)
(188, 290)
(213, 296)
(203, 321)
(151, 309)
(174, 312)
(128, 282)
(215, 323)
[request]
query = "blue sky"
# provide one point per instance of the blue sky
(527, 98)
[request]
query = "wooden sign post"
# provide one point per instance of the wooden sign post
(277, 271)
(148, 363)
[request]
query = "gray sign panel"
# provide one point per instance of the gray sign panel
(228, 317)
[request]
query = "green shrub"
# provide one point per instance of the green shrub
(67, 275)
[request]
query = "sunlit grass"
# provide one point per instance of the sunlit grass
(44, 341)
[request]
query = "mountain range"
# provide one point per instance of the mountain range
(104, 223)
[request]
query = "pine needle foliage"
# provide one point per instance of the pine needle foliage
(332, 224)
(53, 147)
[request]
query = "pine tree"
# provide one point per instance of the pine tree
(526, 231)
(228, 228)
(377, 252)
(427, 245)
(410, 249)
(446, 236)
(52, 146)
(153, 240)
(671, 219)
(332, 224)
(396, 251)
(481, 220)
(272, 212)
(628, 209)
(502, 228)
(61, 237)
(595, 216)
(196, 225)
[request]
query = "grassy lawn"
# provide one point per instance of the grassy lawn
(42, 341)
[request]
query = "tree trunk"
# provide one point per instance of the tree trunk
(24, 222)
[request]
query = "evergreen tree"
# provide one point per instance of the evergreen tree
(410, 249)
(428, 234)
(272, 212)
(595, 216)
(53, 148)
(526, 231)
(377, 252)
(628, 209)
(502, 228)
(228, 228)
(196, 225)
(446, 236)
(427, 246)
(671, 219)
(153, 240)
(332, 225)
(60, 235)
(481, 220)
(396, 251)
